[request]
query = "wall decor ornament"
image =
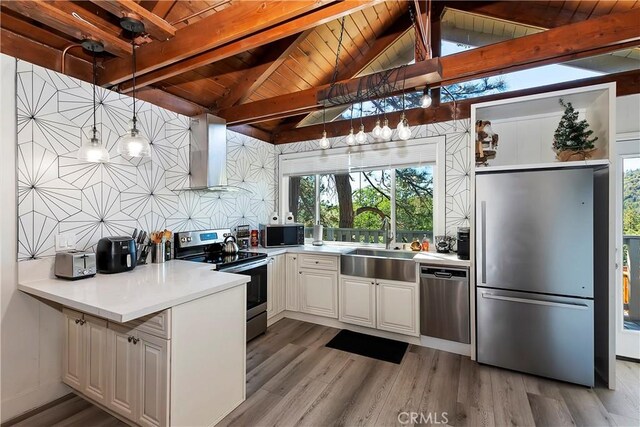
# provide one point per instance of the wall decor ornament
(571, 139)
(486, 143)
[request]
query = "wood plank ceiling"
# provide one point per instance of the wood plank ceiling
(262, 49)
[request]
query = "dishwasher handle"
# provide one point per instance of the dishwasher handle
(444, 273)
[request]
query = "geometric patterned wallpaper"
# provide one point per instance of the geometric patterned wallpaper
(58, 194)
(457, 171)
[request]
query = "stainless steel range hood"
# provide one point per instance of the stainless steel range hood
(208, 154)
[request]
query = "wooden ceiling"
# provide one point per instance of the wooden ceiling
(237, 58)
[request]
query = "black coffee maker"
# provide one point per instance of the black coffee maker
(464, 236)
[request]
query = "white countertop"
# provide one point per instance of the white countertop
(434, 258)
(430, 258)
(322, 250)
(144, 290)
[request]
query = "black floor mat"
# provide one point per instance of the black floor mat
(369, 346)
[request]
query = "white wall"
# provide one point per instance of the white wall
(628, 114)
(31, 352)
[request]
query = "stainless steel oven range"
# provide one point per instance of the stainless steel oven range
(207, 246)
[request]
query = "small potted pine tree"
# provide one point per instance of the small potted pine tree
(571, 138)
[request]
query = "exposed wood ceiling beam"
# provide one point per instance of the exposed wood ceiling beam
(46, 56)
(293, 26)
(170, 102)
(155, 26)
(529, 13)
(252, 131)
(252, 79)
(231, 24)
(627, 83)
(46, 13)
(599, 35)
(160, 8)
(421, 16)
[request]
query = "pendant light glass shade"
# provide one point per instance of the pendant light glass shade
(377, 130)
(386, 131)
(404, 131)
(425, 100)
(133, 144)
(361, 137)
(351, 138)
(324, 141)
(91, 150)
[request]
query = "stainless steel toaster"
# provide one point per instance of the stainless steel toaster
(75, 265)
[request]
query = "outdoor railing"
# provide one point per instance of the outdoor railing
(632, 246)
(363, 235)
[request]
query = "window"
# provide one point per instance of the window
(353, 207)
(302, 201)
(354, 191)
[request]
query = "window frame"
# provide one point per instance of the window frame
(391, 155)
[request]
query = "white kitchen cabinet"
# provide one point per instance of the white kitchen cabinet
(357, 299)
(73, 352)
(95, 358)
(318, 292)
(85, 354)
(292, 297)
(276, 285)
(138, 380)
(122, 378)
(397, 307)
(154, 380)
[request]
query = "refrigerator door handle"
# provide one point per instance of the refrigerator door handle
(483, 242)
(489, 295)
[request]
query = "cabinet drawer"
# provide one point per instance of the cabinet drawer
(321, 262)
(158, 324)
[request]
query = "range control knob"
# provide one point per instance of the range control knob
(183, 239)
(188, 239)
(85, 271)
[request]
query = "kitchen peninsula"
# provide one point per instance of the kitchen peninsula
(163, 344)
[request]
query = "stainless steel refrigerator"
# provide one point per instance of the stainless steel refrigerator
(535, 272)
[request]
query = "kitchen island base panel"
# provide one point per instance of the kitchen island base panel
(208, 357)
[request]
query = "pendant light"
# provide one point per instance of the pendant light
(377, 130)
(92, 150)
(133, 143)
(324, 141)
(404, 131)
(361, 137)
(425, 100)
(386, 131)
(351, 139)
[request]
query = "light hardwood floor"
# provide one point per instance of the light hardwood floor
(293, 380)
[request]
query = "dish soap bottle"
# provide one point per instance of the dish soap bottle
(425, 243)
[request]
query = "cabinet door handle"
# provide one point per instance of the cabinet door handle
(77, 321)
(130, 338)
(82, 321)
(135, 341)
(317, 262)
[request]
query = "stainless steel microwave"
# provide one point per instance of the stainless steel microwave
(278, 235)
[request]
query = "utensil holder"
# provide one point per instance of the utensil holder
(158, 253)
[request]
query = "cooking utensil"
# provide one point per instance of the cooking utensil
(134, 234)
(230, 245)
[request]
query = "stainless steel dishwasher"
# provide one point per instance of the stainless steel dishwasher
(444, 303)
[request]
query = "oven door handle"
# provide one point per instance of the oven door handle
(245, 267)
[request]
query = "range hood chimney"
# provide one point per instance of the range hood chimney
(208, 154)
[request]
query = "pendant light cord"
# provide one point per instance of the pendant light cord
(94, 95)
(133, 48)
